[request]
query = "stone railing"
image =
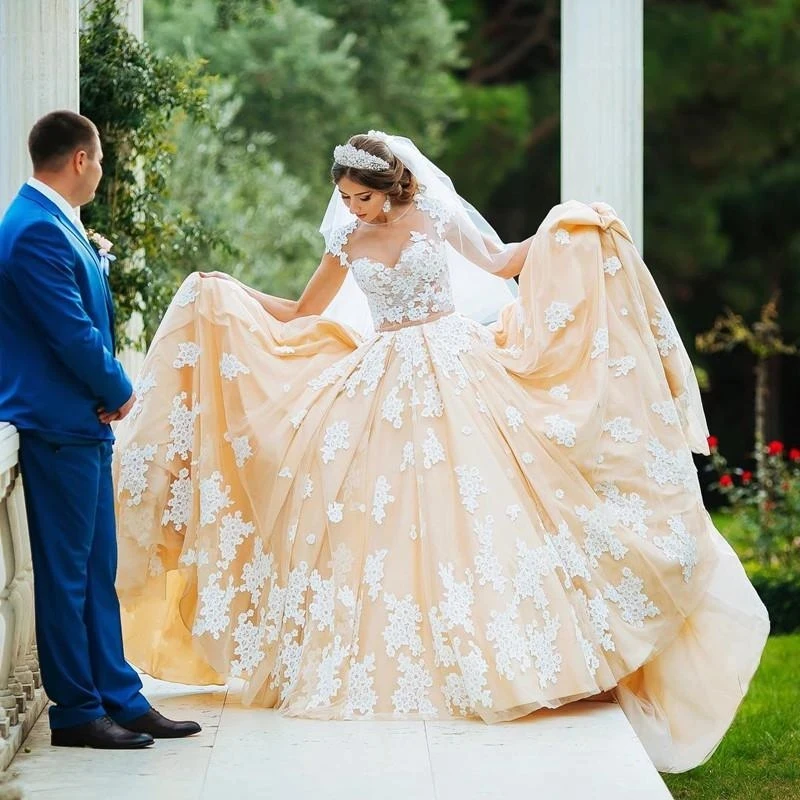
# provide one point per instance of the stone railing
(21, 697)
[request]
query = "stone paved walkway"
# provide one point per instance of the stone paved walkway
(586, 751)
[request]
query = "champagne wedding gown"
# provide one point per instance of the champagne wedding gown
(442, 519)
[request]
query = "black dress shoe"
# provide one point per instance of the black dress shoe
(102, 733)
(159, 727)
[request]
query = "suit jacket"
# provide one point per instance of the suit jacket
(57, 364)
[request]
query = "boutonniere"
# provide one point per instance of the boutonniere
(103, 246)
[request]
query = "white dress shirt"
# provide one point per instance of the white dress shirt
(51, 194)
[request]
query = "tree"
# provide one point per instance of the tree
(232, 181)
(764, 341)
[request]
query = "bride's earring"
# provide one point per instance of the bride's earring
(387, 206)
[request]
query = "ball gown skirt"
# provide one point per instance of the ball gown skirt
(442, 520)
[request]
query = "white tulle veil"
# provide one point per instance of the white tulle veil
(474, 250)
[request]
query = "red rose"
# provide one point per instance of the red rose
(747, 476)
(726, 481)
(712, 442)
(775, 448)
(794, 454)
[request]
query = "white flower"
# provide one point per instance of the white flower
(612, 265)
(557, 315)
(599, 342)
(560, 429)
(562, 237)
(230, 367)
(335, 512)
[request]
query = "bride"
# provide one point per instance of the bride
(406, 513)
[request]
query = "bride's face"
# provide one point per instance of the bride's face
(363, 202)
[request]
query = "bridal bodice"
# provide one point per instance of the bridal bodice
(406, 288)
(411, 291)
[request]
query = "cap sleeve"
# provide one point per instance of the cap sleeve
(441, 216)
(337, 241)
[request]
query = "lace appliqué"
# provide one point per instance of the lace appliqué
(612, 265)
(381, 499)
(622, 366)
(560, 429)
(188, 353)
(679, 546)
(189, 291)
(557, 315)
(436, 210)
(668, 337)
(599, 343)
(134, 464)
(337, 437)
(670, 466)
(622, 430)
(213, 498)
(181, 418)
(230, 367)
(668, 412)
(338, 239)
(562, 237)
(634, 605)
(416, 288)
(241, 448)
(470, 487)
(179, 505)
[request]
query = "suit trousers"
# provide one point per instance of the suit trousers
(70, 507)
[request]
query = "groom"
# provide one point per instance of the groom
(61, 386)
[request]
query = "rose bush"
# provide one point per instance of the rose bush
(765, 503)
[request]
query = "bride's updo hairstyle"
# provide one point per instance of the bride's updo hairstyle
(397, 182)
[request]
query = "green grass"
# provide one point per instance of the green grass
(759, 759)
(730, 528)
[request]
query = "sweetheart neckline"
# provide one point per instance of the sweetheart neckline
(400, 257)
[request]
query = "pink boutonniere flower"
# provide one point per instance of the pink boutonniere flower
(103, 246)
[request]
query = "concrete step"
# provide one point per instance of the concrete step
(586, 750)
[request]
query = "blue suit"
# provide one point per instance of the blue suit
(57, 367)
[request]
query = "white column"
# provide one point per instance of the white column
(133, 15)
(130, 14)
(38, 74)
(601, 105)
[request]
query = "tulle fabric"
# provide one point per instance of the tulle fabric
(444, 520)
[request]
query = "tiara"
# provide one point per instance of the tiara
(349, 156)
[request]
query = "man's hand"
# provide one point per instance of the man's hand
(124, 410)
(107, 417)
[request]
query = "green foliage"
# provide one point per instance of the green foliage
(233, 181)
(293, 73)
(759, 758)
(406, 53)
(132, 95)
(763, 505)
(491, 139)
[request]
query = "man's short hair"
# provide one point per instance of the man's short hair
(57, 135)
